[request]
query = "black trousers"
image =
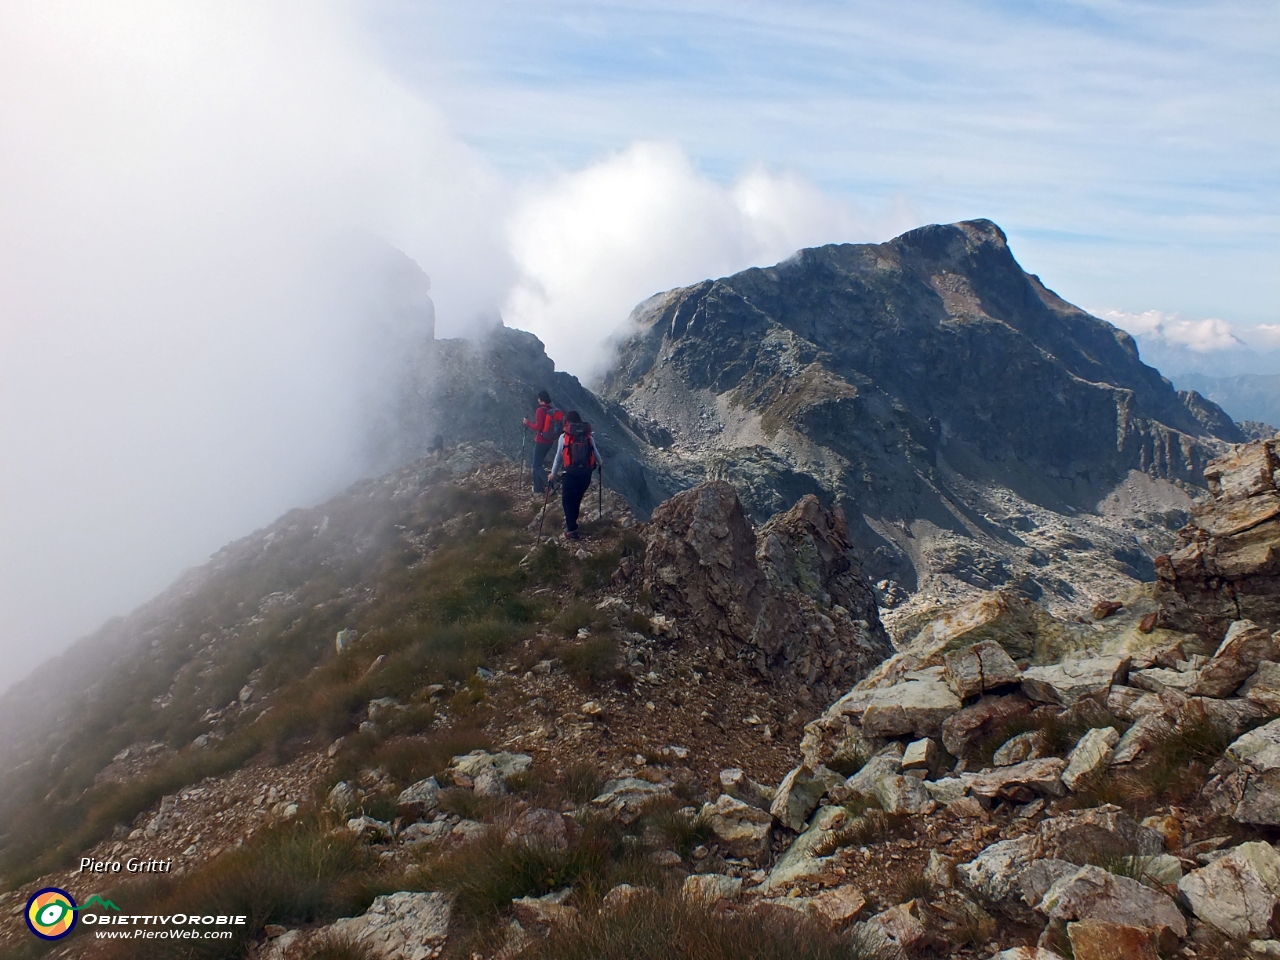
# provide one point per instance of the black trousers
(540, 453)
(572, 491)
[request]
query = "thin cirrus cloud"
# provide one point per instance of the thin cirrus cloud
(1126, 147)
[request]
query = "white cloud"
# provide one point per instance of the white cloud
(1200, 336)
(595, 242)
(1265, 336)
(185, 297)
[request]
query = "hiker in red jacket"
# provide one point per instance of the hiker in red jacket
(547, 425)
(577, 458)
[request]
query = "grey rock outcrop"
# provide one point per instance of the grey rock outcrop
(1092, 893)
(1226, 566)
(1248, 786)
(1239, 893)
(776, 602)
(741, 830)
(400, 926)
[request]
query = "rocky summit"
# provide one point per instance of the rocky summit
(976, 428)
(917, 619)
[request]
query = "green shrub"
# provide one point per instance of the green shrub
(593, 661)
(597, 569)
(574, 616)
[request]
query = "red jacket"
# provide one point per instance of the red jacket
(542, 422)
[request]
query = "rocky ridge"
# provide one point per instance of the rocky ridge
(1005, 783)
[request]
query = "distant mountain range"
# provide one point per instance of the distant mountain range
(1246, 396)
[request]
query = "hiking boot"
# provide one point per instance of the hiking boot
(571, 535)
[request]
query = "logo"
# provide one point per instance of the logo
(51, 913)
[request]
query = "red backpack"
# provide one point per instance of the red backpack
(579, 454)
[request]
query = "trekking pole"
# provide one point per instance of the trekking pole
(546, 499)
(600, 492)
(524, 438)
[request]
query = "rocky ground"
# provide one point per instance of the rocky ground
(1002, 782)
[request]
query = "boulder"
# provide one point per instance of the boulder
(417, 833)
(1072, 680)
(546, 911)
(711, 888)
(979, 668)
(400, 926)
(1036, 880)
(903, 795)
(1248, 788)
(503, 764)
(799, 861)
(625, 799)
(966, 728)
(886, 763)
(543, 829)
(1263, 687)
(1027, 953)
(838, 906)
(420, 799)
(1019, 783)
(898, 927)
(940, 871)
(994, 874)
(1092, 893)
(1103, 940)
(921, 756)
(1090, 758)
(1155, 679)
(1140, 738)
(367, 828)
(999, 617)
(1245, 646)
(1106, 831)
(915, 706)
(741, 829)
(799, 793)
(1023, 746)
(1238, 893)
(794, 602)
(1226, 566)
(342, 797)
(738, 785)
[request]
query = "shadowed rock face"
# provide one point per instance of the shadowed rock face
(468, 391)
(906, 379)
(1227, 564)
(792, 602)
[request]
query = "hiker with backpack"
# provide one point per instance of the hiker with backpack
(547, 425)
(577, 458)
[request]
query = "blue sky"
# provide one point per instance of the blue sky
(1129, 149)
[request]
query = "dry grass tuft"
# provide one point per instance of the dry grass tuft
(666, 926)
